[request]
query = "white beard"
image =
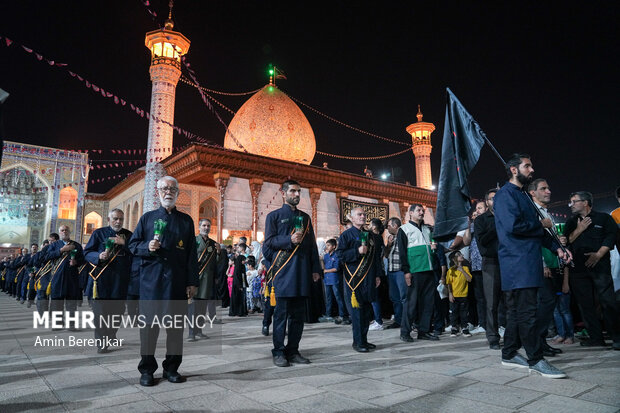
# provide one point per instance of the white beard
(167, 203)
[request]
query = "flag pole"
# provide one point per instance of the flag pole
(540, 215)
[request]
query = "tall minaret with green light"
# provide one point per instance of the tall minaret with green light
(167, 47)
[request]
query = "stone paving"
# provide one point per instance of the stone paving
(453, 375)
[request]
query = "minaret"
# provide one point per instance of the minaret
(421, 138)
(166, 48)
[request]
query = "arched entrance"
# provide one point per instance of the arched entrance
(208, 210)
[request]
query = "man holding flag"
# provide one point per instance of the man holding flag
(520, 233)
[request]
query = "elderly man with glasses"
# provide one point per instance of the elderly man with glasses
(165, 243)
(592, 235)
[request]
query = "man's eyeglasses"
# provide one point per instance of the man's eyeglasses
(571, 203)
(170, 189)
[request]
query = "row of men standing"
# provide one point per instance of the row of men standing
(155, 274)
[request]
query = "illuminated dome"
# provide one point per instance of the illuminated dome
(271, 124)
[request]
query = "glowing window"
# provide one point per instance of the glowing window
(67, 204)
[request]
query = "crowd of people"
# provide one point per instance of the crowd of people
(512, 274)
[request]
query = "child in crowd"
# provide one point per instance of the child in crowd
(258, 289)
(333, 287)
(229, 273)
(251, 274)
(457, 280)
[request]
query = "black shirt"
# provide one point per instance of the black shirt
(601, 232)
(486, 235)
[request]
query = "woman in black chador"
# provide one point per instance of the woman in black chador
(238, 305)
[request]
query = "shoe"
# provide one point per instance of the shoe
(29, 304)
(517, 361)
(22, 301)
(427, 336)
(478, 330)
(298, 359)
(338, 320)
(466, 333)
(391, 326)
(547, 370)
(593, 343)
(406, 339)
(346, 321)
(438, 332)
(201, 336)
(147, 380)
(548, 353)
(325, 319)
(265, 331)
(360, 349)
(454, 333)
(191, 339)
(616, 345)
(494, 346)
(374, 326)
(102, 350)
(173, 377)
(501, 331)
(569, 341)
(281, 361)
(552, 349)
(370, 346)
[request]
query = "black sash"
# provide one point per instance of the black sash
(354, 280)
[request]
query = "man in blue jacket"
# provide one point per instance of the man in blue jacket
(291, 251)
(108, 276)
(521, 235)
(168, 278)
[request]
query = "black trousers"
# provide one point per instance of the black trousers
(492, 285)
(521, 325)
(597, 282)
(419, 303)
(104, 310)
(62, 304)
(477, 311)
(165, 311)
(288, 313)
(360, 317)
(31, 292)
(132, 304)
(547, 300)
(148, 343)
(459, 313)
(267, 312)
(200, 307)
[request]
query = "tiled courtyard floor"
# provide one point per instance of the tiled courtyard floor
(454, 375)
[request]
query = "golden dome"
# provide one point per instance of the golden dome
(271, 124)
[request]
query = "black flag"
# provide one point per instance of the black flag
(462, 141)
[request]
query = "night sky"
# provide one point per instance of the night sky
(539, 78)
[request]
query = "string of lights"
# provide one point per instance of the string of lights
(217, 92)
(363, 158)
(188, 135)
(346, 125)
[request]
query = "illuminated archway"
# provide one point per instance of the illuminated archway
(92, 221)
(67, 203)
